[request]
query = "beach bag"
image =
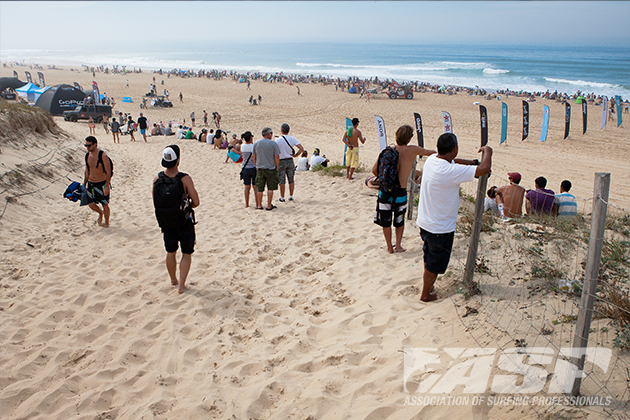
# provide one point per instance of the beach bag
(73, 192)
(100, 162)
(388, 169)
(172, 207)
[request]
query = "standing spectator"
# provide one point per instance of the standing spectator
(181, 97)
(192, 117)
(131, 127)
(286, 167)
(248, 171)
(105, 121)
(92, 126)
(184, 231)
(564, 204)
(97, 180)
(266, 156)
(539, 200)
(115, 126)
(352, 141)
(143, 125)
(205, 118)
(438, 204)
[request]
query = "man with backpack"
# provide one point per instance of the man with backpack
(392, 168)
(97, 180)
(174, 198)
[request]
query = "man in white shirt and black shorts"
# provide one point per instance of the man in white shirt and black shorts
(442, 175)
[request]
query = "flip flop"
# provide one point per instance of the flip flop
(259, 208)
(271, 208)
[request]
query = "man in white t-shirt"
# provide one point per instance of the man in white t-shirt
(438, 204)
(317, 160)
(180, 133)
(289, 147)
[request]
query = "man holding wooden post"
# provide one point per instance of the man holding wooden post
(439, 202)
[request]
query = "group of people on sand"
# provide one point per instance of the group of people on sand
(507, 201)
(438, 204)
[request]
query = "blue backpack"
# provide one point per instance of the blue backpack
(73, 192)
(388, 169)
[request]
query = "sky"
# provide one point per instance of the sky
(131, 26)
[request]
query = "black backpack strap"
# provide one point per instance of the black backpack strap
(86, 163)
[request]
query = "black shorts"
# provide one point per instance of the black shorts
(437, 250)
(96, 192)
(184, 236)
(249, 176)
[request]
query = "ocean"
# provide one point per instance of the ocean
(567, 69)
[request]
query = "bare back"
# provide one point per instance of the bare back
(512, 199)
(355, 137)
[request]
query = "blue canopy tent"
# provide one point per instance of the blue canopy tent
(31, 91)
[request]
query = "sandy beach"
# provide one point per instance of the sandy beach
(297, 313)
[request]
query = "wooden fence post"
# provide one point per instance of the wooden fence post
(474, 236)
(591, 274)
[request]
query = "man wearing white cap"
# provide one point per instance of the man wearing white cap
(170, 189)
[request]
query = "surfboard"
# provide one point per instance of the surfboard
(545, 125)
(348, 133)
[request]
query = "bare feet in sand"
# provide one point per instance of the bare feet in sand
(400, 249)
(182, 289)
(431, 298)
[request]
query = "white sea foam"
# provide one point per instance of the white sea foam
(495, 71)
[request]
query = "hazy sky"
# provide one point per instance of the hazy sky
(128, 25)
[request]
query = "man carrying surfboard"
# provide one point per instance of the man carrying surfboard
(351, 139)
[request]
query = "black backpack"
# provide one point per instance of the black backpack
(100, 162)
(172, 206)
(388, 169)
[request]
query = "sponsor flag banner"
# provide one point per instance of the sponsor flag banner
(545, 125)
(483, 116)
(15, 74)
(419, 133)
(349, 133)
(504, 114)
(97, 96)
(29, 79)
(584, 117)
(42, 83)
(604, 111)
(78, 86)
(446, 119)
(567, 119)
(380, 128)
(619, 104)
(525, 119)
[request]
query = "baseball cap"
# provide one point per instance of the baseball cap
(316, 151)
(170, 156)
(516, 177)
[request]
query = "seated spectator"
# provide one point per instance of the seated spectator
(303, 164)
(190, 135)
(490, 202)
(510, 197)
(218, 140)
(539, 200)
(168, 131)
(203, 135)
(155, 131)
(318, 160)
(564, 204)
(180, 133)
(210, 137)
